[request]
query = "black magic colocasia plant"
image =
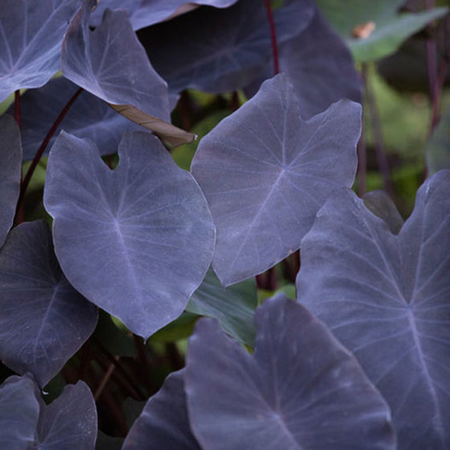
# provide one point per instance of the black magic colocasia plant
(97, 307)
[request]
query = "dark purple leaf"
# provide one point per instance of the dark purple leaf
(380, 204)
(234, 307)
(320, 67)
(44, 321)
(265, 173)
(70, 422)
(300, 389)
(19, 413)
(144, 13)
(164, 423)
(136, 241)
(386, 298)
(218, 50)
(89, 117)
(10, 173)
(110, 63)
(30, 42)
(26, 422)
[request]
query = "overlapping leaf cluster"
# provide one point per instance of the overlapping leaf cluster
(146, 241)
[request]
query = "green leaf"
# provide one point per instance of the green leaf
(234, 307)
(438, 148)
(391, 29)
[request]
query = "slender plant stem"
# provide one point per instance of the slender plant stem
(17, 107)
(119, 368)
(185, 110)
(273, 33)
(45, 142)
(234, 102)
(380, 152)
(433, 73)
(105, 380)
(173, 355)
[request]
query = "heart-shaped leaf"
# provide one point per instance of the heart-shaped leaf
(110, 63)
(220, 50)
(44, 320)
(27, 422)
(374, 29)
(266, 173)
(386, 298)
(318, 64)
(300, 389)
(164, 422)
(234, 307)
(144, 13)
(136, 241)
(89, 117)
(10, 173)
(70, 421)
(30, 43)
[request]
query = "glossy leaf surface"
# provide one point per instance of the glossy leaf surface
(386, 298)
(234, 307)
(136, 241)
(266, 172)
(144, 13)
(300, 389)
(164, 423)
(110, 63)
(30, 42)
(44, 320)
(26, 422)
(390, 28)
(89, 117)
(10, 173)
(220, 50)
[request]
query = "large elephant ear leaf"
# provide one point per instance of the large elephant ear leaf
(300, 389)
(110, 63)
(264, 163)
(70, 421)
(136, 241)
(164, 422)
(45, 320)
(30, 46)
(220, 50)
(27, 422)
(89, 117)
(10, 173)
(386, 297)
